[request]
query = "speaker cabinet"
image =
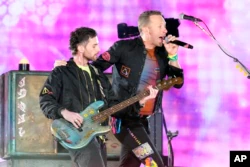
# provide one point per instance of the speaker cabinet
(26, 130)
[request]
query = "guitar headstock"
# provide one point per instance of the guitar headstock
(167, 84)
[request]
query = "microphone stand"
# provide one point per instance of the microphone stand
(239, 64)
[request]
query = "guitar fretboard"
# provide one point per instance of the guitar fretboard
(165, 84)
(100, 117)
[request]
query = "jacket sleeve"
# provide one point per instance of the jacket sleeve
(50, 95)
(172, 71)
(110, 57)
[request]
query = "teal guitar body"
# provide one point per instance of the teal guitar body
(73, 138)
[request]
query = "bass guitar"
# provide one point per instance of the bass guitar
(73, 138)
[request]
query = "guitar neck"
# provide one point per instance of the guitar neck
(163, 85)
(106, 113)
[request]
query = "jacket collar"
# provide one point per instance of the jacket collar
(141, 43)
(71, 62)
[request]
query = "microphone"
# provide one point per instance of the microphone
(191, 18)
(180, 43)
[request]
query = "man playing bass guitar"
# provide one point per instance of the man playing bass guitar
(70, 89)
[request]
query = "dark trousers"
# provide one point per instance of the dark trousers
(136, 147)
(93, 155)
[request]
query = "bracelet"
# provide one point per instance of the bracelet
(173, 57)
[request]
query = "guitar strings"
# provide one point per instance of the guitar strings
(102, 115)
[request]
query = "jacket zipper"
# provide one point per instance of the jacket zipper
(93, 88)
(86, 85)
(80, 87)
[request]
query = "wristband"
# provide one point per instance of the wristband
(173, 57)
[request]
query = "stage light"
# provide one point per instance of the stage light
(24, 65)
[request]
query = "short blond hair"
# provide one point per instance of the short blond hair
(144, 18)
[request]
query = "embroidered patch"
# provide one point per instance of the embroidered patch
(125, 71)
(106, 56)
(143, 151)
(46, 91)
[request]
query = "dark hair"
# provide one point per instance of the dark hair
(144, 18)
(80, 35)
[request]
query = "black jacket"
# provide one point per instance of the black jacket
(130, 55)
(71, 88)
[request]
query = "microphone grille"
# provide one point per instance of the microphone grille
(181, 16)
(166, 39)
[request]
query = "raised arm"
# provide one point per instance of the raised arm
(174, 69)
(110, 57)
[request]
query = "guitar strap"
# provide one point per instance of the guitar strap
(114, 122)
(116, 125)
(103, 137)
(98, 80)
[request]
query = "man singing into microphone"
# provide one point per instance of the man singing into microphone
(138, 63)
